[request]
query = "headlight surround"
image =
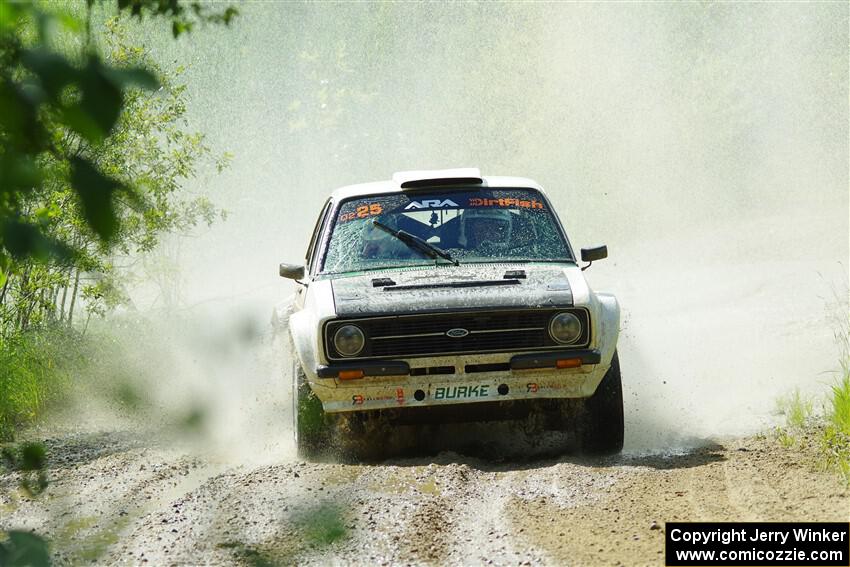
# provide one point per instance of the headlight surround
(349, 340)
(565, 328)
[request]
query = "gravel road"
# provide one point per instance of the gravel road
(117, 498)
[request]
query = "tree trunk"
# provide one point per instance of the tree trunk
(54, 301)
(5, 289)
(21, 307)
(73, 297)
(5, 321)
(42, 304)
(62, 307)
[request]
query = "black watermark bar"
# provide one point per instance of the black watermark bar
(692, 544)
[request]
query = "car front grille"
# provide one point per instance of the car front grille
(405, 336)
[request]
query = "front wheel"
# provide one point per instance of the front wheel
(603, 424)
(311, 427)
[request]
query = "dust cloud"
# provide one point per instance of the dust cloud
(706, 144)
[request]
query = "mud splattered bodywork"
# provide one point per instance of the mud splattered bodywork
(470, 323)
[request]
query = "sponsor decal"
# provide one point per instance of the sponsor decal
(431, 204)
(360, 399)
(569, 387)
(399, 396)
(457, 333)
(531, 388)
(505, 203)
(362, 212)
(459, 392)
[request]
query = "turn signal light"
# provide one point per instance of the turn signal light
(568, 363)
(350, 374)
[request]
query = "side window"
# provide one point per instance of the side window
(317, 235)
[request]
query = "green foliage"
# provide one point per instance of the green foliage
(92, 158)
(35, 370)
(798, 411)
(44, 93)
(840, 414)
(840, 400)
(786, 439)
(836, 449)
(64, 107)
(182, 19)
(24, 549)
(103, 173)
(796, 408)
(835, 440)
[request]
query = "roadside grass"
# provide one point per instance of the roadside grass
(798, 413)
(835, 440)
(785, 438)
(58, 370)
(796, 408)
(36, 371)
(831, 432)
(828, 433)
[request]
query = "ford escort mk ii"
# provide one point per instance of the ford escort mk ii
(447, 293)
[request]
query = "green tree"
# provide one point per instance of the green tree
(58, 115)
(92, 158)
(92, 162)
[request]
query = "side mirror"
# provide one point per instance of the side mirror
(590, 255)
(292, 271)
(593, 254)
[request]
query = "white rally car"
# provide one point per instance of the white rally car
(446, 295)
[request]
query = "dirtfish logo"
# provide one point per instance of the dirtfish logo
(431, 204)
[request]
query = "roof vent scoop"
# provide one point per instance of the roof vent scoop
(438, 178)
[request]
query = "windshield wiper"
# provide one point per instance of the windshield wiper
(416, 243)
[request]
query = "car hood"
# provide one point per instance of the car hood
(448, 287)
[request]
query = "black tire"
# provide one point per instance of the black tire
(312, 428)
(603, 425)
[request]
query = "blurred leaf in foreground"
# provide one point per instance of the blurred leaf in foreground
(29, 459)
(24, 549)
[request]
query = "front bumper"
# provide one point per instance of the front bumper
(517, 362)
(459, 380)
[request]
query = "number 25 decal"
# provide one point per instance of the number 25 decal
(362, 212)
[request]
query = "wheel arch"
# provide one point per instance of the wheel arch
(608, 327)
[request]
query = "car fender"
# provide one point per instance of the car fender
(305, 327)
(608, 329)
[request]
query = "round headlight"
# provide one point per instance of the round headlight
(565, 328)
(349, 340)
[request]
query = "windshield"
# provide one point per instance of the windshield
(485, 225)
